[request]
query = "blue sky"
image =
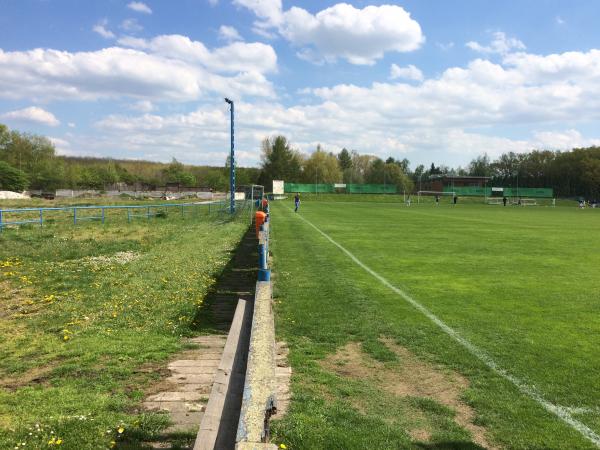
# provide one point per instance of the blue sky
(429, 81)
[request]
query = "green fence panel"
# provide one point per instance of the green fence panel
(308, 188)
(371, 188)
(509, 192)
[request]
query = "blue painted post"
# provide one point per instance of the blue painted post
(262, 256)
(1, 226)
(128, 215)
(41, 217)
(231, 162)
(181, 210)
(148, 214)
(74, 216)
(102, 214)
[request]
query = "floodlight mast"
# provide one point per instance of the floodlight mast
(231, 162)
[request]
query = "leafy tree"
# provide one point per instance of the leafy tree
(11, 178)
(322, 167)
(175, 173)
(279, 162)
(480, 166)
(345, 160)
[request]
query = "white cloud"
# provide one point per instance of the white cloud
(427, 121)
(213, 2)
(559, 140)
(560, 20)
(131, 26)
(32, 114)
(71, 125)
(410, 72)
(360, 36)
(140, 7)
(228, 33)
(269, 11)
(168, 68)
(501, 44)
(235, 57)
(101, 29)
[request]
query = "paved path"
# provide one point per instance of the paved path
(192, 372)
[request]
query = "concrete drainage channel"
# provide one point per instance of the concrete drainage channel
(244, 393)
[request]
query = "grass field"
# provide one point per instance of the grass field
(88, 317)
(519, 286)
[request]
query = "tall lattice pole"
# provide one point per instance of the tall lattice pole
(231, 164)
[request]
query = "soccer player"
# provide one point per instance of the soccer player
(504, 200)
(297, 202)
(437, 200)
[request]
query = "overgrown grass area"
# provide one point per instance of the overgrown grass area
(372, 371)
(88, 316)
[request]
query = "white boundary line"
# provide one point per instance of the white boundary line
(562, 413)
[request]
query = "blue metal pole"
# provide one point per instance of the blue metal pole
(1, 221)
(231, 162)
(41, 217)
(102, 215)
(74, 216)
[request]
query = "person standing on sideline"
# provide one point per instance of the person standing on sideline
(408, 200)
(504, 200)
(455, 199)
(437, 200)
(297, 202)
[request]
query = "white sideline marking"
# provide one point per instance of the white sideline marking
(562, 413)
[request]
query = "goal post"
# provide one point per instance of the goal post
(434, 193)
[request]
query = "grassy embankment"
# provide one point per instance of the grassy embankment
(370, 371)
(88, 317)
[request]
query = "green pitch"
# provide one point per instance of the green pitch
(520, 287)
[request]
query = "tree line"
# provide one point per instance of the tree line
(282, 162)
(30, 162)
(571, 173)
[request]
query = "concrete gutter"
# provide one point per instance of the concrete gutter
(259, 401)
(219, 423)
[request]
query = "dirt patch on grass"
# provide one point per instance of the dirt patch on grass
(34, 376)
(14, 300)
(411, 377)
(117, 258)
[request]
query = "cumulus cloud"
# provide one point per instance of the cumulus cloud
(101, 29)
(228, 33)
(172, 68)
(32, 114)
(140, 7)
(360, 36)
(409, 73)
(425, 121)
(235, 57)
(500, 44)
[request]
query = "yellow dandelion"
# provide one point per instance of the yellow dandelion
(66, 337)
(59, 441)
(120, 430)
(282, 446)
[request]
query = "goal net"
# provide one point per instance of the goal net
(434, 194)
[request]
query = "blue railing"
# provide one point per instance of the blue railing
(22, 216)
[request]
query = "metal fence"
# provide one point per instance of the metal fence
(22, 216)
